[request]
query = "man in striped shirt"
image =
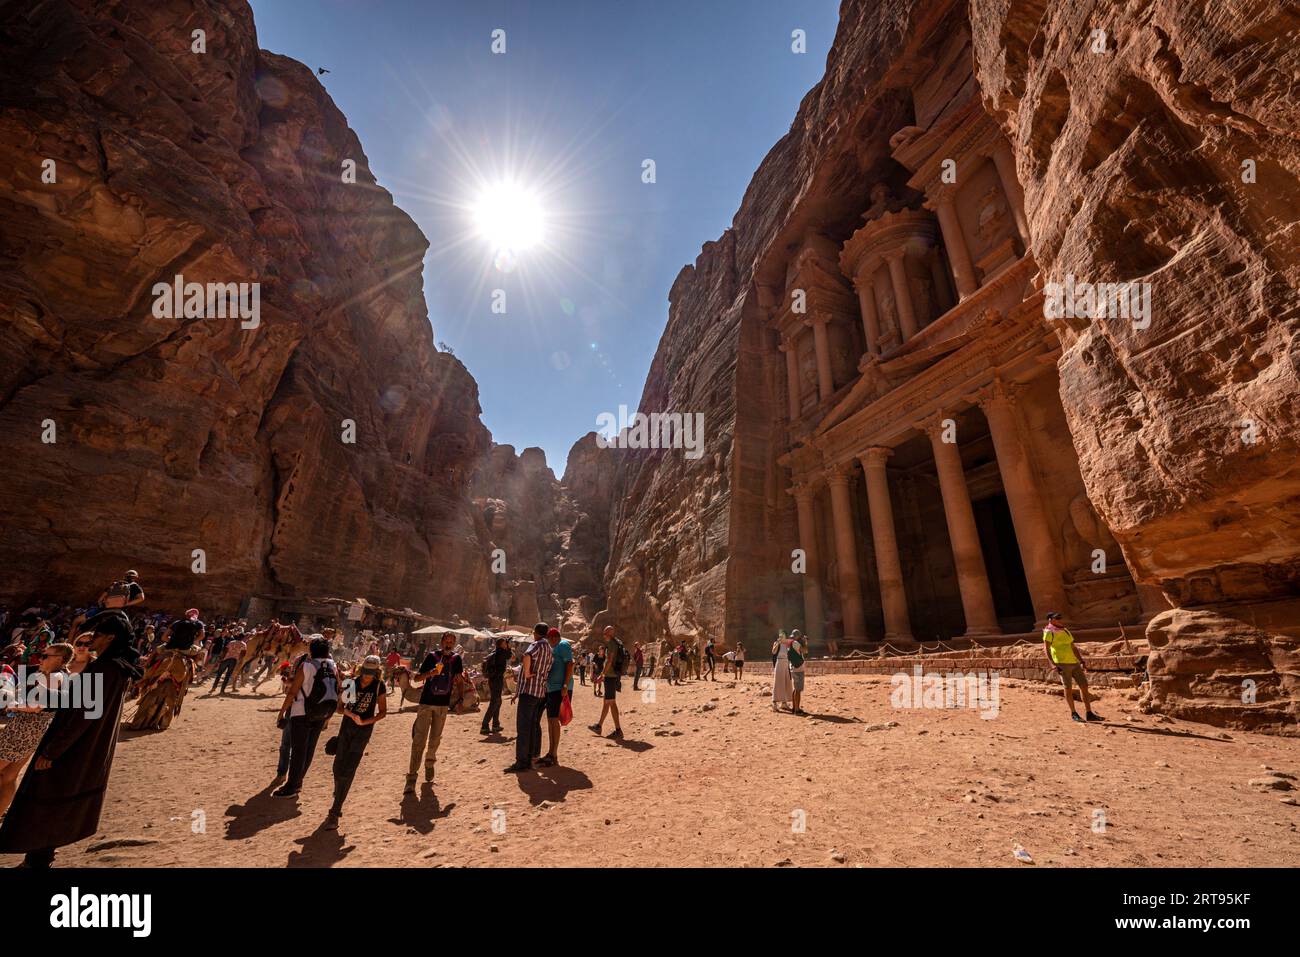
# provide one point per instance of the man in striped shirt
(531, 697)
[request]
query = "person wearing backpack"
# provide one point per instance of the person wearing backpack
(438, 673)
(611, 680)
(310, 702)
(797, 655)
(494, 669)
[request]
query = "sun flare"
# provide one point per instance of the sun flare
(509, 216)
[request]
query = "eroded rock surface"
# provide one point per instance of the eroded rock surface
(179, 434)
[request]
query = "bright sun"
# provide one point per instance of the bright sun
(509, 216)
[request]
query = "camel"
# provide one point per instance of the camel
(162, 689)
(280, 642)
(410, 692)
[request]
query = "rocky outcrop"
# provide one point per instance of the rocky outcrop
(325, 451)
(1157, 144)
(548, 540)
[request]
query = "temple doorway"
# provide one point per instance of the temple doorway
(1011, 599)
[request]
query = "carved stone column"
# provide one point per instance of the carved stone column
(825, 385)
(955, 243)
(1006, 165)
(902, 293)
(893, 594)
(862, 282)
(839, 478)
(972, 576)
(813, 613)
(792, 377)
(1037, 548)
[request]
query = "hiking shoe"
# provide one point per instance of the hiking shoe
(410, 784)
(278, 780)
(484, 731)
(331, 822)
(516, 769)
(498, 729)
(546, 762)
(428, 775)
(617, 733)
(594, 727)
(284, 792)
(1094, 716)
(1075, 717)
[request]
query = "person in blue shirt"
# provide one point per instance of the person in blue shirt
(559, 685)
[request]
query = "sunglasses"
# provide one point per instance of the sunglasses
(83, 644)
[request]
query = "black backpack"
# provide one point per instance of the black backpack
(620, 657)
(316, 706)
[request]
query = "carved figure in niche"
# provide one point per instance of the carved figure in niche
(994, 218)
(882, 201)
(888, 317)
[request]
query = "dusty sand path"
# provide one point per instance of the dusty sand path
(720, 785)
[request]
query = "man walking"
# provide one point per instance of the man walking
(531, 695)
(611, 679)
(1065, 658)
(310, 702)
(494, 669)
(438, 672)
(708, 660)
(638, 659)
(234, 650)
(559, 686)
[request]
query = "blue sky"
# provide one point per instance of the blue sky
(584, 93)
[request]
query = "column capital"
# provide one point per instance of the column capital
(839, 475)
(802, 491)
(897, 253)
(999, 392)
(932, 425)
(816, 318)
(785, 344)
(875, 457)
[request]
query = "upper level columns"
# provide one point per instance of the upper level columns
(792, 377)
(1006, 165)
(866, 288)
(893, 594)
(1037, 549)
(902, 293)
(838, 478)
(813, 613)
(825, 384)
(972, 576)
(955, 243)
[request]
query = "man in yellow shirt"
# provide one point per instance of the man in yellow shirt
(1059, 645)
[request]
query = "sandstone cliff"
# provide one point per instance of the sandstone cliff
(172, 435)
(553, 535)
(1168, 153)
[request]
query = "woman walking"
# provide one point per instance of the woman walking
(60, 798)
(782, 686)
(368, 705)
(27, 724)
(739, 661)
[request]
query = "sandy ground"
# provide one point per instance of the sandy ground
(708, 775)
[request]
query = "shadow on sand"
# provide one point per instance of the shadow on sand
(552, 784)
(320, 848)
(420, 811)
(258, 813)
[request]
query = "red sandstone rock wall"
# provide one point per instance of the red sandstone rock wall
(172, 434)
(1132, 163)
(553, 535)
